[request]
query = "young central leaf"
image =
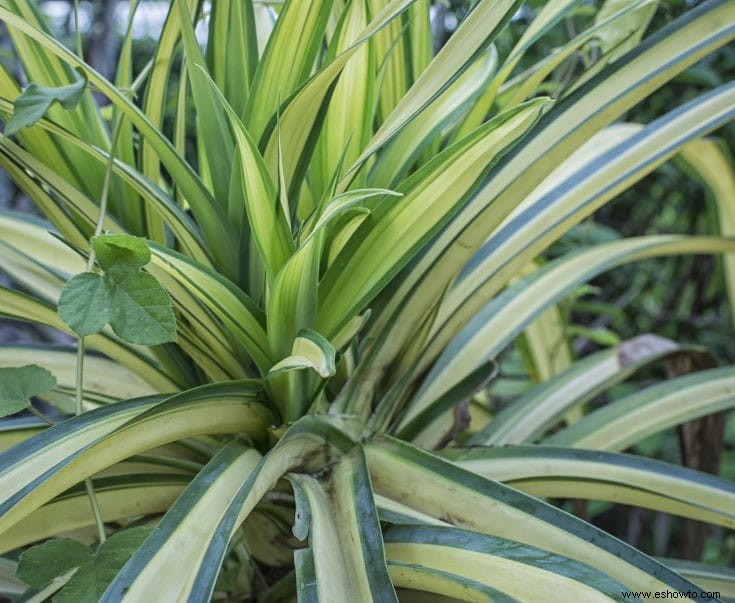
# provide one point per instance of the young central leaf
(18, 384)
(310, 350)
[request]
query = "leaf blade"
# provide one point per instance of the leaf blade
(36, 100)
(19, 384)
(140, 309)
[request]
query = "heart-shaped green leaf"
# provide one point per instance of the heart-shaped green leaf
(140, 309)
(134, 303)
(19, 384)
(113, 249)
(36, 100)
(41, 564)
(84, 304)
(94, 576)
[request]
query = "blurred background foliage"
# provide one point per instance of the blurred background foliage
(681, 298)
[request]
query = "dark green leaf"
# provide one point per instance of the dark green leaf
(136, 306)
(84, 304)
(41, 564)
(18, 384)
(36, 100)
(140, 309)
(93, 577)
(112, 249)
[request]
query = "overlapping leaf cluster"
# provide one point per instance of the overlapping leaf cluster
(350, 250)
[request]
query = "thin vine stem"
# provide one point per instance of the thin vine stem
(81, 345)
(99, 522)
(90, 261)
(40, 415)
(79, 44)
(105, 189)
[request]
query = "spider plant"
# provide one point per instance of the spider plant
(346, 250)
